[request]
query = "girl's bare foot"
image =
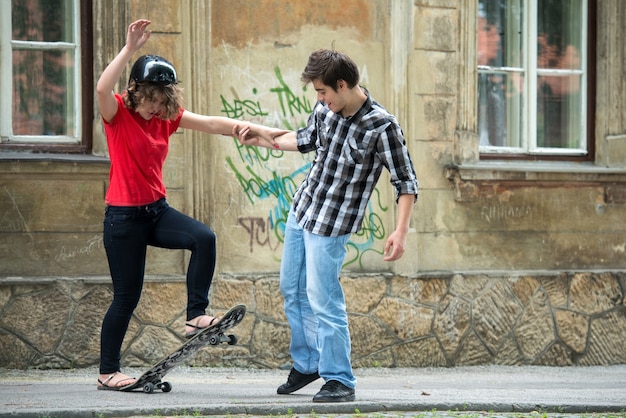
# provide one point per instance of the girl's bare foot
(114, 381)
(197, 324)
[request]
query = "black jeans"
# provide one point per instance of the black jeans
(127, 233)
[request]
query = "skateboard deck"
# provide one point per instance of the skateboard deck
(213, 335)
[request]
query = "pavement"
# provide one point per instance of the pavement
(380, 392)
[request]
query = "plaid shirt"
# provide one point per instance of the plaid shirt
(350, 155)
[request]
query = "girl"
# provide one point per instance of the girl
(138, 125)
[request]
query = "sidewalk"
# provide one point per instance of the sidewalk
(236, 392)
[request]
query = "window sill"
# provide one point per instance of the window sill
(34, 156)
(535, 171)
(471, 181)
(20, 163)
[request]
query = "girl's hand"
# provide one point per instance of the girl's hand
(257, 135)
(137, 35)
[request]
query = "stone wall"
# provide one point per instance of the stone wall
(573, 318)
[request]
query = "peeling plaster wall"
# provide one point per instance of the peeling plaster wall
(506, 265)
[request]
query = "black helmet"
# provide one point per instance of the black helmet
(153, 68)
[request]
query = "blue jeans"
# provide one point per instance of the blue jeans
(127, 233)
(315, 304)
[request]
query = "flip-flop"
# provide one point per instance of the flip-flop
(199, 329)
(103, 384)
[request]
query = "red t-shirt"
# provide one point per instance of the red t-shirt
(137, 149)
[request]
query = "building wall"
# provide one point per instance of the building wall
(516, 263)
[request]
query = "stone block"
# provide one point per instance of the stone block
(494, 314)
(162, 304)
(594, 293)
(164, 14)
(468, 286)
(572, 329)
(43, 328)
(31, 206)
(15, 353)
(269, 301)
(226, 293)
(431, 155)
(428, 291)
(607, 342)
(435, 29)
(270, 344)
(509, 353)
(451, 4)
(404, 319)
(81, 338)
(452, 322)
(435, 75)
(557, 355)
(557, 288)
(524, 288)
(434, 121)
(472, 352)
(535, 330)
(368, 336)
(154, 343)
(426, 352)
(363, 294)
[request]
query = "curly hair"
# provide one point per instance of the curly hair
(171, 94)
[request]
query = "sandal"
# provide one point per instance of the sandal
(198, 328)
(104, 384)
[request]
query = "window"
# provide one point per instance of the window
(532, 77)
(41, 75)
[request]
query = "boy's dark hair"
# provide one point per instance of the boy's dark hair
(329, 66)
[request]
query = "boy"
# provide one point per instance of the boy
(353, 138)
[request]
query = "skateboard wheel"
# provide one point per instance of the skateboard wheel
(148, 387)
(232, 339)
(214, 340)
(166, 387)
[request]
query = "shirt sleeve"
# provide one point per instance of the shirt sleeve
(395, 157)
(307, 138)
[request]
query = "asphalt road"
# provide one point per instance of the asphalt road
(240, 392)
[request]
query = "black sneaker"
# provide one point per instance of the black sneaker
(296, 381)
(334, 391)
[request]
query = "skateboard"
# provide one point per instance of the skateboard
(213, 335)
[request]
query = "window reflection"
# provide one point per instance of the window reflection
(507, 74)
(43, 78)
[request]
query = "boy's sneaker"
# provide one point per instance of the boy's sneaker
(296, 381)
(334, 391)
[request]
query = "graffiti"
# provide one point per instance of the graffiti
(261, 178)
(92, 244)
(240, 108)
(290, 104)
(501, 213)
(259, 232)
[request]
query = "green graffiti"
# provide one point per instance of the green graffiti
(259, 181)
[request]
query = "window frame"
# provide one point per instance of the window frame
(84, 97)
(530, 110)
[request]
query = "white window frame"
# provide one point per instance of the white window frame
(529, 127)
(7, 46)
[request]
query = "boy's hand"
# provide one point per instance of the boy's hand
(257, 135)
(395, 246)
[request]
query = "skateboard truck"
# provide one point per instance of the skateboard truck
(149, 387)
(221, 338)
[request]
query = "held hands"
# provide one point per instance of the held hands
(137, 35)
(257, 135)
